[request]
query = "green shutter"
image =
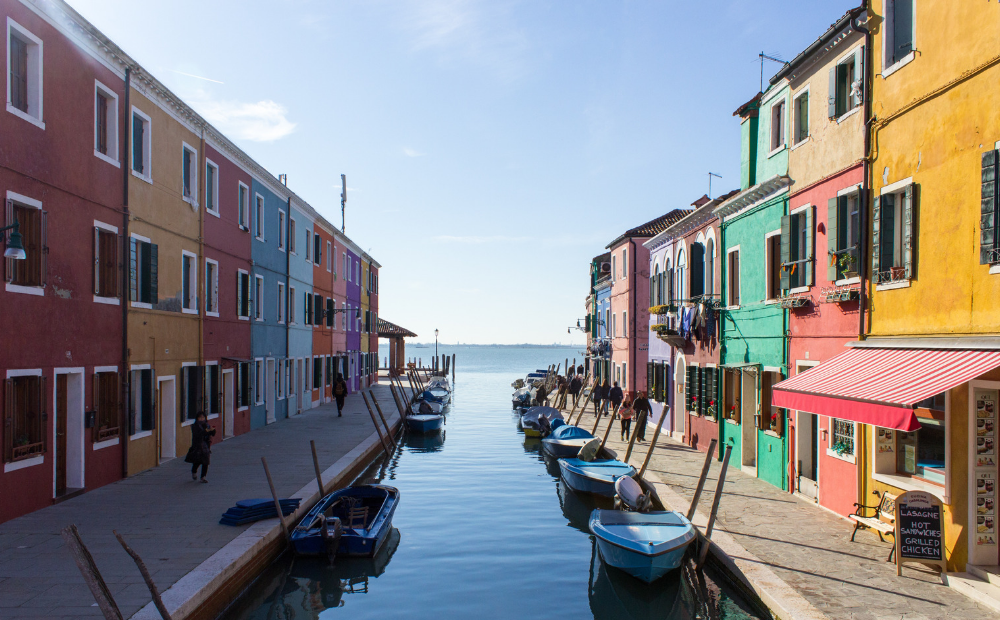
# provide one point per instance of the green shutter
(888, 232)
(689, 389)
(989, 207)
(876, 240)
(902, 30)
(702, 389)
(810, 249)
(650, 377)
(153, 273)
(714, 392)
(909, 242)
(831, 108)
(832, 238)
(133, 276)
(786, 238)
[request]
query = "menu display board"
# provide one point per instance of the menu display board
(985, 472)
(883, 441)
(919, 532)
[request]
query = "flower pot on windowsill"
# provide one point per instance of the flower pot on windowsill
(897, 273)
(848, 274)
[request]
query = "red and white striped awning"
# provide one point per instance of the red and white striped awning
(881, 386)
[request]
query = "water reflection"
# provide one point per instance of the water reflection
(425, 442)
(577, 508)
(615, 595)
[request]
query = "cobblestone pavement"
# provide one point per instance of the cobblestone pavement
(806, 546)
(170, 520)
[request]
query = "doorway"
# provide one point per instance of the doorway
(749, 421)
(228, 394)
(807, 449)
(269, 391)
(69, 433)
(166, 402)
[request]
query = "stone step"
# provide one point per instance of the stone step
(975, 588)
(986, 573)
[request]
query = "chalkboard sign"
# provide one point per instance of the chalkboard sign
(919, 535)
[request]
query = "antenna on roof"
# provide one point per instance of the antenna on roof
(710, 175)
(343, 203)
(283, 179)
(764, 57)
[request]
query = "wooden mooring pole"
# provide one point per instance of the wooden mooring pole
(611, 423)
(91, 575)
(652, 443)
(702, 478)
(319, 476)
(153, 590)
(388, 431)
(277, 503)
(715, 508)
(378, 430)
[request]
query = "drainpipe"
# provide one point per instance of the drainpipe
(288, 297)
(632, 304)
(722, 341)
(126, 396)
(866, 183)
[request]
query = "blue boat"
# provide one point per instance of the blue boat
(364, 514)
(597, 477)
(424, 423)
(565, 441)
(532, 424)
(646, 545)
(432, 407)
(436, 395)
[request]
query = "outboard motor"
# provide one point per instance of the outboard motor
(544, 426)
(629, 495)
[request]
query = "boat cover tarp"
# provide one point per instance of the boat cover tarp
(570, 432)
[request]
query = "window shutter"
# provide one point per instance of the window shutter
(832, 238)
(45, 247)
(8, 262)
(670, 286)
(714, 391)
(8, 419)
(239, 294)
(909, 242)
(887, 231)
(650, 377)
(43, 419)
(153, 273)
(810, 248)
(831, 108)
(702, 389)
(859, 65)
(96, 405)
(786, 239)
(902, 28)
(329, 312)
(652, 290)
(688, 389)
(133, 272)
(149, 398)
(876, 240)
(989, 208)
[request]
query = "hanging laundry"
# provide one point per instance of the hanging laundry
(709, 322)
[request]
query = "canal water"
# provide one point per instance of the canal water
(484, 529)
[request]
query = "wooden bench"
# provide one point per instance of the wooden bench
(882, 518)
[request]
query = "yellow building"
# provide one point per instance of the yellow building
(935, 272)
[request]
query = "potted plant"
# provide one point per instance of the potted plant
(846, 262)
(841, 448)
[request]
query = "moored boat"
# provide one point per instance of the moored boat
(597, 476)
(363, 514)
(422, 423)
(434, 407)
(646, 545)
(566, 441)
(532, 424)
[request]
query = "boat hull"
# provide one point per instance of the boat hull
(307, 537)
(424, 423)
(564, 448)
(646, 545)
(588, 478)
(643, 567)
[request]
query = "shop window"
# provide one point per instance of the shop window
(107, 394)
(921, 453)
(24, 418)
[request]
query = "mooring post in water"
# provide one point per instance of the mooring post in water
(702, 478)
(715, 508)
(378, 430)
(453, 368)
(395, 398)
(611, 422)
(88, 568)
(277, 503)
(153, 590)
(388, 431)
(319, 476)
(652, 444)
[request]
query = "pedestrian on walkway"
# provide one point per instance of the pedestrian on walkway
(616, 396)
(340, 393)
(642, 411)
(540, 396)
(626, 414)
(201, 446)
(574, 388)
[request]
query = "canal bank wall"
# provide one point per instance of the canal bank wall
(173, 521)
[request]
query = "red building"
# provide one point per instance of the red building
(61, 176)
(323, 283)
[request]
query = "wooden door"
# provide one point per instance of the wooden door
(61, 414)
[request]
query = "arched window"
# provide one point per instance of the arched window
(667, 284)
(654, 285)
(681, 287)
(710, 267)
(697, 270)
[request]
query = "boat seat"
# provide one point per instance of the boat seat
(357, 517)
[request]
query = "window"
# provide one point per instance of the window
(797, 231)
(192, 392)
(243, 385)
(921, 453)
(259, 217)
(105, 123)
(106, 395)
(281, 230)
(141, 406)
(801, 109)
(989, 243)
(213, 390)
(211, 287)
(845, 85)
(243, 294)
(258, 298)
(772, 251)
(330, 304)
(614, 272)
(308, 244)
(24, 427)
(244, 207)
(682, 277)
(347, 274)
(141, 145)
(317, 373)
(329, 256)
(842, 437)
(189, 282)
(700, 389)
(898, 31)
(625, 324)
(697, 270)
(317, 309)
(624, 263)
(281, 302)
(343, 317)
(211, 187)
(107, 272)
(771, 418)
(777, 125)
(308, 308)
(614, 325)
(893, 242)
(624, 375)
(317, 249)
(842, 235)
(710, 267)
(291, 235)
(258, 388)
(24, 74)
(28, 213)
(291, 304)
(143, 270)
(733, 269)
(189, 172)
(281, 378)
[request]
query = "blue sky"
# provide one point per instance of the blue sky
(491, 147)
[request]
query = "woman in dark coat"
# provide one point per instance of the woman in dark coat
(201, 447)
(642, 411)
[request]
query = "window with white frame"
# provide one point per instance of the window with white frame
(625, 263)
(281, 230)
(682, 277)
(105, 123)
(189, 172)
(777, 125)
(189, 282)
(258, 216)
(279, 379)
(281, 302)
(329, 256)
(842, 437)
(211, 187)
(24, 74)
(317, 249)
(614, 325)
(772, 258)
(258, 382)
(291, 235)
(243, 294)
(107, 271)
(308, 245)
(893, 241)
(800, 107)
(898, 31)
(845, 84)
(291, 305)
(797, 236)
(842, 234)
(357, 271)
(258, 298)
(213, 390)
(25, 427)
(244, 207)
(710, 267)
(625, 324)
(142, 140)
(211, 287)
(345, 271)
(343, 317)
(614, 268)
(141, 405)
(144, 272)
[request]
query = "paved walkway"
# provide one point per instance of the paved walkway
(170, 520)
(807, 547)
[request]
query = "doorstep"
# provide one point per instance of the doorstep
(980, 583)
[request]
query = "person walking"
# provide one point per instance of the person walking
(574, 388)
(540, 396)
(642, 411)
(626, 414)
(340, 393)
(616, 396)
(201, 446)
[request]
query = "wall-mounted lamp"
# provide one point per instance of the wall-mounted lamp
(15, 248)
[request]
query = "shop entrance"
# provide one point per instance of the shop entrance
(807, 451)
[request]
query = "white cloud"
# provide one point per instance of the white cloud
(411, 152)
(263, 121)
